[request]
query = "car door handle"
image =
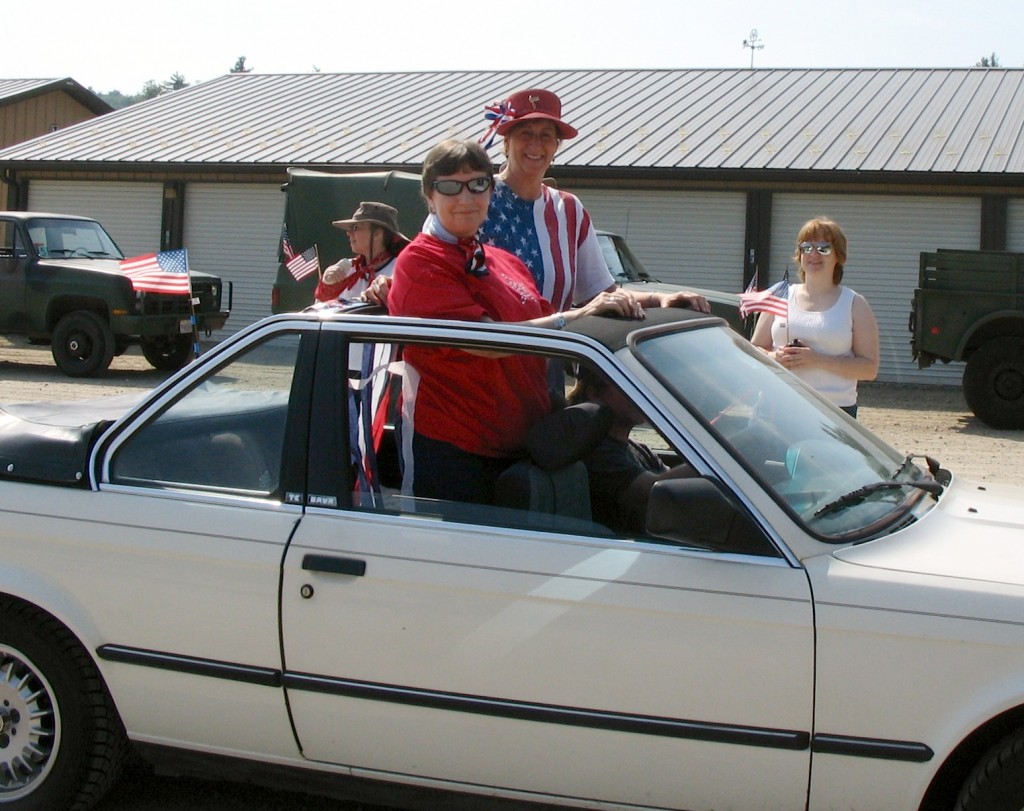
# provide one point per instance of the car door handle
(334, 565)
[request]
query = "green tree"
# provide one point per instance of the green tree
(150, 90)
(176, 82)
(989, 62)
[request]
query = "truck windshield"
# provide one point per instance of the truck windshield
(842, 482)
(59, 238)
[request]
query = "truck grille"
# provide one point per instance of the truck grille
(207, 292)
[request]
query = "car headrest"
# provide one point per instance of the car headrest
(567, 435)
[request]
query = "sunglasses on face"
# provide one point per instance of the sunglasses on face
(824, 248)
(450, 188)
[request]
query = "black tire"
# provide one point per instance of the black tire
(53, 699)
(994, 383)
(82, 344)
(169, 352)
(997, 782)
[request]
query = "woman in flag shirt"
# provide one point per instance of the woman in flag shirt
(548, 229)
(468, 412)
(827, 334)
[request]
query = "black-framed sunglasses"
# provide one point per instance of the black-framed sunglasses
(824, 248)
(450, 188)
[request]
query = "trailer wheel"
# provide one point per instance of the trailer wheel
(82, 344)
(994, 383)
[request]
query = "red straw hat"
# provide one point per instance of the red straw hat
(530, 105)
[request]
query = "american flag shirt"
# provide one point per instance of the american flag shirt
(554, 238)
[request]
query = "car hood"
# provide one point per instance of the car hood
(975, 532)
(111, 266)
(711, 295)
(51, 442)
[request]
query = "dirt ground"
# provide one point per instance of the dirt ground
(931, 420)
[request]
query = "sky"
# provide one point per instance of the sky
(110, 45)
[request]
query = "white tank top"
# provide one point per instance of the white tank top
(829, 332)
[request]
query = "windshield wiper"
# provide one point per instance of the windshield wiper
(858, 495)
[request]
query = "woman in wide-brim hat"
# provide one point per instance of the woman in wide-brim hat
(375, 240)
(547, 228)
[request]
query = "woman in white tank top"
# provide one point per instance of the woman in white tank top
(830, 337)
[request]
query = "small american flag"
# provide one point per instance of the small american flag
(774, 300)
(287, 251)
(164, 272)
(304, 264)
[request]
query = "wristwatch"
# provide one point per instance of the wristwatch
(560, 321)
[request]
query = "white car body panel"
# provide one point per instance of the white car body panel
(450, 609)
(503, 661)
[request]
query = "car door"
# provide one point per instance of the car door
(189, 526)
(457, 647)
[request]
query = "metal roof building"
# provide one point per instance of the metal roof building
(31, 107)
(708, 172)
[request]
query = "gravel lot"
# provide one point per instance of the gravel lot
(912, 418)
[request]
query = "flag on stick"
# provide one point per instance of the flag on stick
(774, 300)
(304, 264)
(287, 251)
(164, 272)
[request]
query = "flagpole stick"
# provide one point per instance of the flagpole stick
(192, 311)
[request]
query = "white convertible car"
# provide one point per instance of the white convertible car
(226, 576)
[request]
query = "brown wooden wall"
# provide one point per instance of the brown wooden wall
(38, 115)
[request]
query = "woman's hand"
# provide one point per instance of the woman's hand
(377, 292)
(613, 302)
(796, 355)
(682, 298)
(338, 271)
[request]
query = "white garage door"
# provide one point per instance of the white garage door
(1015, 225)
(687, 238)
(886, 235)
(233, 230)
(131, 212)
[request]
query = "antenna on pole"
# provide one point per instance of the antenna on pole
(754, 44)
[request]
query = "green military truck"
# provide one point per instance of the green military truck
(61, 283)
(969, 306)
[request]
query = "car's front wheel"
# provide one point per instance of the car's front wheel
(997, 782)
(62, 744)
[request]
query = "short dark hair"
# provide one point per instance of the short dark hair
(451, 156)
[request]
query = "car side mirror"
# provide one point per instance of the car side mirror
(699, 512)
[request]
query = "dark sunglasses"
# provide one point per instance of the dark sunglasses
(824, 248)
(450, 188)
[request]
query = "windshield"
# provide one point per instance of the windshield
(55, 238)
(621, 261)
(806, 453)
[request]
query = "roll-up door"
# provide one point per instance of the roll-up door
(1015, 225)
(233, 231)
(687, 238)
(886, 235)
(131, 212)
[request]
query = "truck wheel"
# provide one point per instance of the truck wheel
(994, 383)
(62, 744)
(82, 344)
(168, 352)
(997, 782)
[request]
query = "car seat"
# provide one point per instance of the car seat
(554, 481)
